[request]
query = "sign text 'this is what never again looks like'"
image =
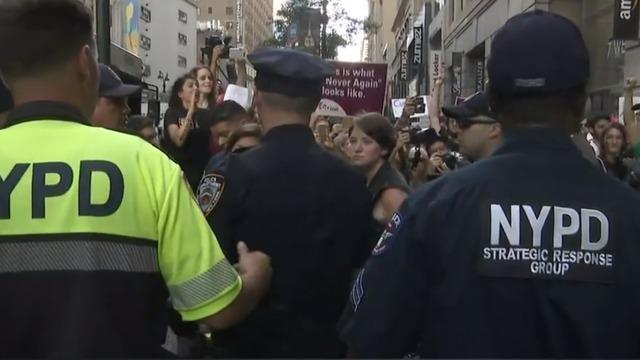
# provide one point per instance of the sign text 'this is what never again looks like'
(357, 87)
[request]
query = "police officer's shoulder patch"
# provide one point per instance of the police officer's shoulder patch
(209, 192)
(388, 234)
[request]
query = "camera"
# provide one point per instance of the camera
(414, 155)
(211, 42)
(418, 137)
(451, 159)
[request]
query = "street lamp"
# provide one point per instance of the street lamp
(165, 79)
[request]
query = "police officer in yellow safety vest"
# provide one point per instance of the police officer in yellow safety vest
(97, 228)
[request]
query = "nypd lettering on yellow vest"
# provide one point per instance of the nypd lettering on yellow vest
(549, 242)
(42, 188)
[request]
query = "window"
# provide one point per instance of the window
(182, 39)
(182, 16)
(210, 10)
(182, 61)
(439, 4)
(146, 72)
(452, 10)
(145, 14)
(229, 10)
(145, 42)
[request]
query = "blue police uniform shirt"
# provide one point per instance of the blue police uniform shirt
(531, 253)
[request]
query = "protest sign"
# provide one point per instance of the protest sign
(355, 88)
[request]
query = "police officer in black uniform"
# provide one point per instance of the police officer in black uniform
(530, 253)
(303, 206)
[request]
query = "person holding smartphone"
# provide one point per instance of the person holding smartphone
(187, 129)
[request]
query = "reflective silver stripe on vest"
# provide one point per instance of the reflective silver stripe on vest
(18, 257)
(204, 287)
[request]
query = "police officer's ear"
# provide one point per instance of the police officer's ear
(87, 65)
(495, 131)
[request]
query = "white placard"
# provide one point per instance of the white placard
(398, 106)
(241, 95)
(636, 100)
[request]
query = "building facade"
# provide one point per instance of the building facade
(417, 35)
(168, 41)
(469, 25)
(160, 33)
(248, 22)
(380, 44)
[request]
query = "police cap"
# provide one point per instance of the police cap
(289, 72)
(112, 86)
(538, 53)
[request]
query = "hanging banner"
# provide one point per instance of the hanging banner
(456, 74)
(625, 20)
(403, 65)
(435, 66)
(417, 45)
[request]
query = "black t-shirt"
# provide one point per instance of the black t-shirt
(387, 177)
(194, 154)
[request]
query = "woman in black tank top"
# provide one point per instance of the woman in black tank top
(371, 141)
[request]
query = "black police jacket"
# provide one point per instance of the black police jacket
(531, 253)
(311, 213)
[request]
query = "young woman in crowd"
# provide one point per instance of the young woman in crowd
(613, 148)
(371, 141)
(207, 88)
(207, 78)
(209, 85)
(187, 129)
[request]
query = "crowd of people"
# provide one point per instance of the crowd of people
(467, 133)
(270, 231)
